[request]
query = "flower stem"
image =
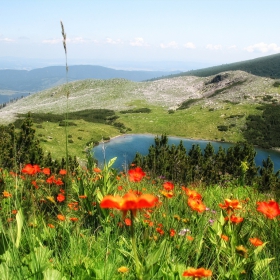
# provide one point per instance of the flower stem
(134, 249)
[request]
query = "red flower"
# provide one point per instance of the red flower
(127, 222)
(34, 183)
(230, 205)
(199, 273)
(97, 170)
(61, 217)
(129, 202)
(225, 237)
(255, 242)
(167, 194)
(63, 172)
(172, 232)
(136, 175)
(270, 209)
(58, 182)
(46, 171)
(74, 219)
(31, 169)
(168, 186)
(197, 205)
(236, 220)
(60, 197)
(83, 196)
(192, 194)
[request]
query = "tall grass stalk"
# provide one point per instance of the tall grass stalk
(67, 105)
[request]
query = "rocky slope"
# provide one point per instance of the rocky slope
(119, 94)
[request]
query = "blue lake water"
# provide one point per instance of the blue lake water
(126, 146)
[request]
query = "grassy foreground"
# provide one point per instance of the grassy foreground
(97, 224)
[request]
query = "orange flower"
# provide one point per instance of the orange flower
(97, 170)
(236, 220)
(224, 237)
(196, 205)
(230, 205)
(51, 226)
(160, 231)
(255, 242)
(74, 219)
(129, 202)
(168, 194)
(189, 237)
(83, 196)
(199, 272)
(136, 175)
(31, 169)
(14, 212)
(34, 183)
(127, 222)
(63, 172)
(6, 194)
(61, 217)
(192, 194)
(60, 197)
(172, 232)
(270, 209)
(46, 171)
(168, 186)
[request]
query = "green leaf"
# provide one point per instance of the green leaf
(261, 265)
(4, 243)
(111, 162)
(19, 219)
(155, 256)
(52, 274)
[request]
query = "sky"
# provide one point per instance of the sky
(138, 34)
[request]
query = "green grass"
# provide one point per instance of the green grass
(195, 122)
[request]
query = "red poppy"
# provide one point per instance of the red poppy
(160, 231)
(6, 194)
(50, 180)
(34, 183)
(58, 182)
(46, 171)
(168, 186)
(136, 175)
(199, 272)
(230, 205)
(192, 193)
(167, 194)
(60, 197)
(61, 217)
(63, 172)
(270, 209)
(172, 232)
(51, 226)
(197, 205)
(236, 220)
(224, 237)
(255, 242)
(31, 169)
(97, 170)
(83, 196)
(74, 219)
(127, 222)
(129, 202)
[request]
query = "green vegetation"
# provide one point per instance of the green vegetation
(267, 66)
(264, 130)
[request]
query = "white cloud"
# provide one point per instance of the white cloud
(52, 41)
(213, 47)
(233, 47)
(6, 40)
(262, 47)
(77, 40)
(138, 42)
(113, 42)
(172, 45)
(190, 45)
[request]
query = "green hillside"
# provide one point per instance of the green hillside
(267, 66)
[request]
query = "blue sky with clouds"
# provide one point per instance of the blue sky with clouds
(140, 31)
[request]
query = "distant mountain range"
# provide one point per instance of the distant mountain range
(17, 83)
(267, 66)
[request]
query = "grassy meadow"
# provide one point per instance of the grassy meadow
(99, 224)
